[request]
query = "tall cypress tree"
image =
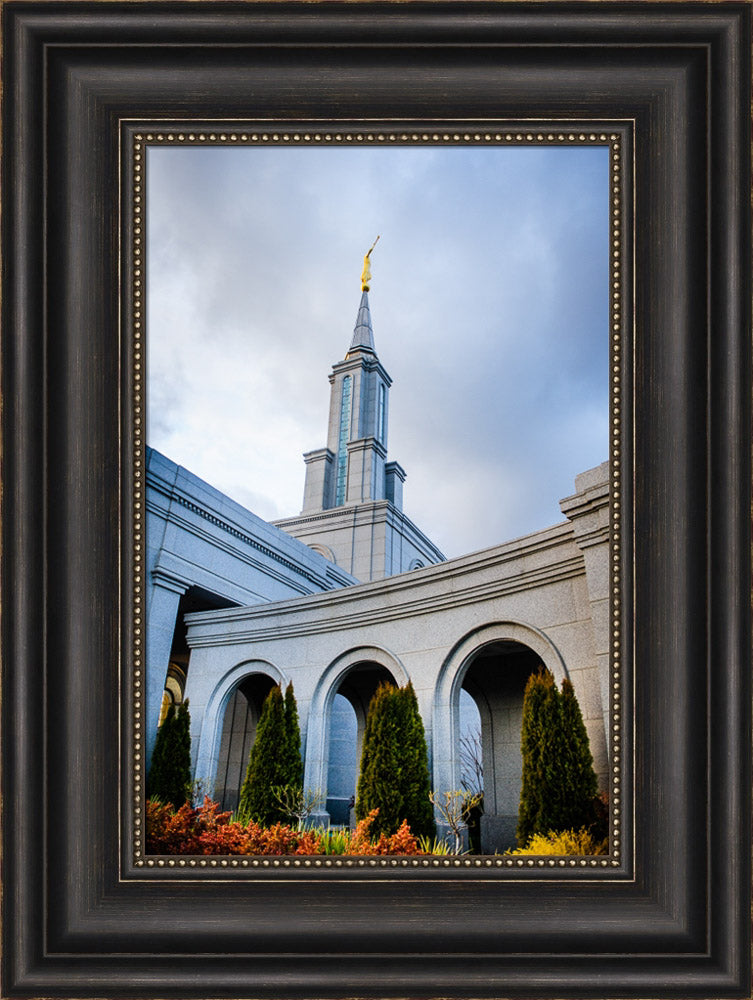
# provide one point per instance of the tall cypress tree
(267, 763)
(169, 776)
(379, 761)
(539, 718)
(293, 761)
(415, 784)
(394, 774)
(559, 783)
(580, 783)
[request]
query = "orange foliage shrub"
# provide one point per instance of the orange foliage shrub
(205, 830)
(402, 842)
(170, 832)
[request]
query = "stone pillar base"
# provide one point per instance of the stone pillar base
(498, 833)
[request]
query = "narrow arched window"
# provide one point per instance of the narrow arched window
(342, 445)
(380, 412)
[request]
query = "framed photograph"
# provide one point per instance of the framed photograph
(182, 184)
(502, 336)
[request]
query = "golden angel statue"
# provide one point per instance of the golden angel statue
(366, 273)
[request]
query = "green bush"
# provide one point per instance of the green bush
(394, 775)
(169, 778)
(559, 784)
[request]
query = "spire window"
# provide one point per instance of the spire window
(342, 445)
(380, 412)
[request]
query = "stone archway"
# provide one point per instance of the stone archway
(227, 729)
(241, 717)
(355, 675)
(492, 664)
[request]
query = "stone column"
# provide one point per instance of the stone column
(588, 510)
(318, 493)
(394, 478)
(443, 742)
(316, 760)
(162, 613)
(365, 470)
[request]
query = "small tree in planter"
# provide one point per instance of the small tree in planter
(169, 778)
(298, 803)
(455, 809)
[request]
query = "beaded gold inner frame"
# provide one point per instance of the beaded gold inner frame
(618, 136)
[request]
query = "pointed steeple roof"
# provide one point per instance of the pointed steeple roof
(363, 335)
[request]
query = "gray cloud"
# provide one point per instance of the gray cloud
(489, 303)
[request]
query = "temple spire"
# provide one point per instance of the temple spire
(363, 335)
(353, 497)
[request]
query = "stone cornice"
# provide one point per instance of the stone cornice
(589, 501)
(366, 443)
(366, 362)
(416, 592)
(345, 512)
(588, 511)
(595, 536)
(318, 454)
(364, 513)
(171, 494)
(370, 615)
(231, 550)
(169, 581)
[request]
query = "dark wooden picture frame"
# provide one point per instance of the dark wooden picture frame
(78, 920)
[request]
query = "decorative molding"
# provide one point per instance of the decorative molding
(168, 581)
(319, 454)
(230, 529)
(365, 513)
(365, 444)
(339, 617)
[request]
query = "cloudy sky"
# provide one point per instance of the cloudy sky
(489, 304)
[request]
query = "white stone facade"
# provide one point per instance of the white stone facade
(352, 593)
(482, 622)
(205, 550)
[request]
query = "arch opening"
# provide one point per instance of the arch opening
(241, 717)
(345, 730)
(495, 677)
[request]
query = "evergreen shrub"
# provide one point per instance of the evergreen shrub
(169, 778)
(266, 764)
(275, 759)
(394, 777)
(293, 760)
(559, 784)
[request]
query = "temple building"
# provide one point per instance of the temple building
(351, 592)
(353, 497)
